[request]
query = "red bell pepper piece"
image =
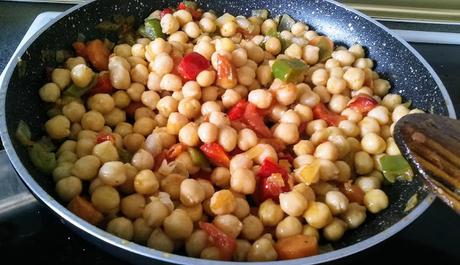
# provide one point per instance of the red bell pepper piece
(320, 111)
(191, 65)
(165, 11)
(103, 136)
(353, 192)
(272, 187)
(216, 154)
(273, 180)
(363, 103)
(269, 167)
(103, 84)
(98, 54)
(226, 72)
(80, 49)
(237, 111)
(255, 121)
(175, 150)
(181, 6)
(224, 242)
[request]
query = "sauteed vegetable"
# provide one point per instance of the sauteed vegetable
(224, 137)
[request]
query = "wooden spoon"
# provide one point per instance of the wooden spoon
(431, 145)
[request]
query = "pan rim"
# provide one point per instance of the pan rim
(103, 236)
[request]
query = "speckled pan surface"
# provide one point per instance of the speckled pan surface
(396, 61)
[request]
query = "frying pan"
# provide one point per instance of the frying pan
(397, 61)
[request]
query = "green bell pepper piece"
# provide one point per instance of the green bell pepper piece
(42, 159)
(151, 29)
(198, 158)
(286, 23)
(262, 13)
(395, 166)
(288, 69)
(23, 134)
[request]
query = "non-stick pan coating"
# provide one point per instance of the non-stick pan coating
(394, 61)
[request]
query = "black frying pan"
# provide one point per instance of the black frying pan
(396, 61)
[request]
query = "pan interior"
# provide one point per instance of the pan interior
(393, 61)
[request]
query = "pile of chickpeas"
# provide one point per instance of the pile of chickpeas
(162, 208)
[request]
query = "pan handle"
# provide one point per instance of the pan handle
(14, 196)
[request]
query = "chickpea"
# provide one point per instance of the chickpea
(318, 215)
(368, 125)
(195, 244)
(121, 227)
(241, 250)
(293, 203)
(92, 120)
(354, 77)
(319, 77)
(228, 29)
(208, 132)
(222, 202)
(270, 213)
(390, 101)
(289, 226)
(69, 187)
(230, 98)
(61, 77)
(63, 170)
(178, 225)
(207, 25)
(294, 51)
(220, 176)
(105, 151)
(335, 230)
(262, 250)
(155, 212)
(169, 24)
(86, 168)
(252, 227)
(58, 127)
(81, 75)
(209, 93)
(189, 134)
(363, 163)
(227, 138)
(344, 57)
(326, 150)
(189, 107)
(399, 112)
(212, 253)
(247, 138)
(132, 206)
(141, 231)
(160, 241)
(145, 182)
(243, 181)
(309, 230)
(176, 121)
(375, 200)
(113, 173)
(133, 142)
(266, 151)
(142, 160)
(242, 208)
(337, 202)
(105, 198)
(191, 192)
(261, 98)
(171, 184)
(287, 132)
(167, 105)
(354, 216)
(373, 144)
(286, 94)
(50, 92)
(229, 224)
